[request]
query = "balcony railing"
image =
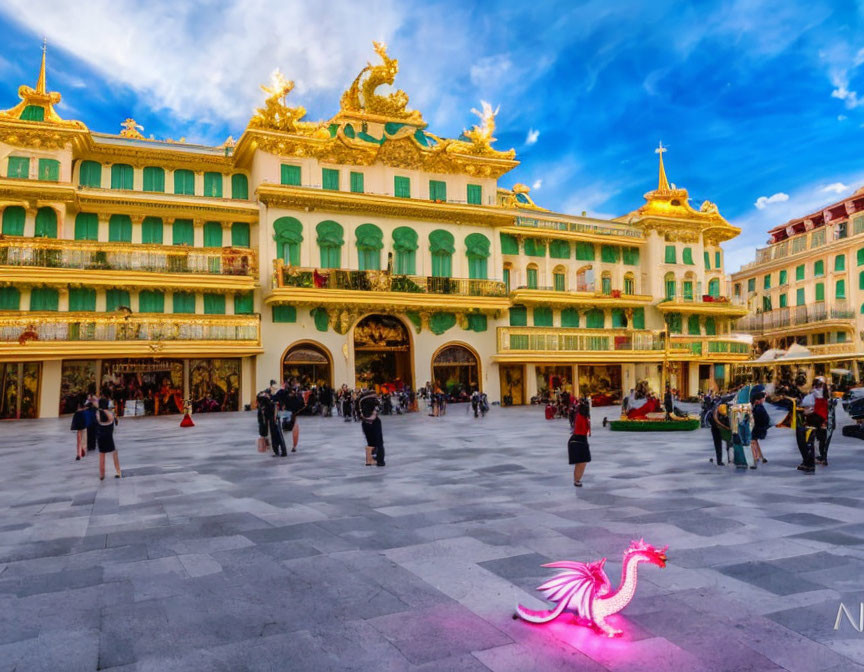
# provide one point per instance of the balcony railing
(563, 339)
(578, 227)
(584, 287)
(700, 345)
(43, 326)
(92, 255)
(382, 281)
(681, 296)
(795, 316)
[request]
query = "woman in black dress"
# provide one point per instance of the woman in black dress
(367, 406)
(79, 426)
(105, 438)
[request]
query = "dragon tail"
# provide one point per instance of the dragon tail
(541, 615)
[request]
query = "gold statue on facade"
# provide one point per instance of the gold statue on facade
(276, 115)
(132, 129)
(361, 97)
(480, 136)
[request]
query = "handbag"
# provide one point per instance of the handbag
(263, 444)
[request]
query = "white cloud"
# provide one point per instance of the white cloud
(532, 136)
(764, 201)
(491, 70)
(537, 184)
(836, 188)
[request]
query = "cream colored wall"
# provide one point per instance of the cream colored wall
(64, 156)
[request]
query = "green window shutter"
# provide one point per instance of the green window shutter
(283, 313)
(122, 176)
(687, 256)
(477, 322)
(213, 185)
(86, 226)
(405, 246)
(631, 256)
(674, 322)
(799, 296)
(183, 302)
(151, 230)
(609, 254)
(820, 291)
(151, 302)
(288, 234)
(90, 174)
(638, 318)
(114, 298)
(437, 190)
(405, 262)
(13, 220)
(369, 242)
(290, 175)
(861, 252)
(477, 248)
(531, 275)
(509, 244)
(595, 319)
(841, 336)
(10, 298)
(670, 289)
(44, 298)
(534, 247)
(240, 234)
(629, 284)
(82, 299)
(49, 170)
(239, 186)
(799, 272)
(766, 304)
(670, 254)
(783, 301)
(184, 182)
(19, 166)
(154, 179)
(840, 289)
(619, 319)
(475, 194)
(751, 284)
(606, 285)
(569, 317)
(120, 229)
(687, 289)
(442, 265)
(506, 279)
(357, 183)
(46, 223)
(714, 288)
(559, 281)
(402, 187)
(707, 260)
(477, 268)
(441, 247)
(518, 316)
(244, 304)
(585, 251)
(33, 113)
(784, 276)
(840, 262)
(710, 324)
(542, 317)
(559, 249)
(330, 179)
(212, 234)
(718, 261)
(766, 281)
(214, 304)
(183, 232)
(330, 243)
(818, 268)
(693, 326)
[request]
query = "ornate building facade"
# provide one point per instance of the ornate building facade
(363, 249)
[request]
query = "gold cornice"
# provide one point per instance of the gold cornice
(575, 236)
(32, 275)
(846, 324)
(553, 298)
(36, 190)
(155, 152)
(41, 135)
(703, 308)
(340, 298)
(42, 350)
(192, 207)
(307, 198)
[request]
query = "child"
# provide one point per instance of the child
(761, 423)
(577, 446)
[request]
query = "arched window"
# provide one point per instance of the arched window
(13, 220)
(687, 287)
(405, 251)
(86, 226)
(90, 174)
(154, 179)
(455, 369)
(122, 176)
(239, 186)
(714, 288)
(308, 363)
(330, 243)
(559, 279)
(606, 283)
(629, 283)
(151, 230)
(531, 276)
(184, 182)
(120, 229)
(693, 327)
(288, 234)
(441, 247)
(370, 240)
(595, 319)
(669, 281)
(477, 249)
(585, 279)
(46, 223)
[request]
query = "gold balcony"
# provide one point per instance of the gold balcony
(95, 263)
(39, 335)
(800, 320)
(712, 348)
(337, 287)
(703, 304)
(583, 296)
(582, 229)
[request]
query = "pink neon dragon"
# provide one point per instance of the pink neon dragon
(585, 588)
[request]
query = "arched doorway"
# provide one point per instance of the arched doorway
(456, 370)
(382, 352)
(309, 363)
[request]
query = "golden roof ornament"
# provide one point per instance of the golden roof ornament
(663, 183)
(276, 115)
(132, 129)
(360, 98)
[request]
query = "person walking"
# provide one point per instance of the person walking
(91, 406)
(326, 400)
(367, 408)
(268, 408)
(761, 423)
(106, 420)
(720, 429)
(79, 426)
(290, 403)
(577, 446)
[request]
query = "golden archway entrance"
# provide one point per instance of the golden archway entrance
(382, 352)
(309, 363)
(456, 370)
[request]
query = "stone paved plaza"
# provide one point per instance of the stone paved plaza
(210, 556)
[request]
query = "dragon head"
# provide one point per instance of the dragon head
(647, 553)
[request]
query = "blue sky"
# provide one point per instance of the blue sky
(755, 100)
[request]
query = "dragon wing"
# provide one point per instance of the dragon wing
(576, 586)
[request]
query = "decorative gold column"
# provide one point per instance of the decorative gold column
(102, 234)
(136, 228)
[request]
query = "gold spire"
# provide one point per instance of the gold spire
(663, 184)
(41, 87)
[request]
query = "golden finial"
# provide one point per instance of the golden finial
(132, 129)
(663, 183)
(41, 86)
